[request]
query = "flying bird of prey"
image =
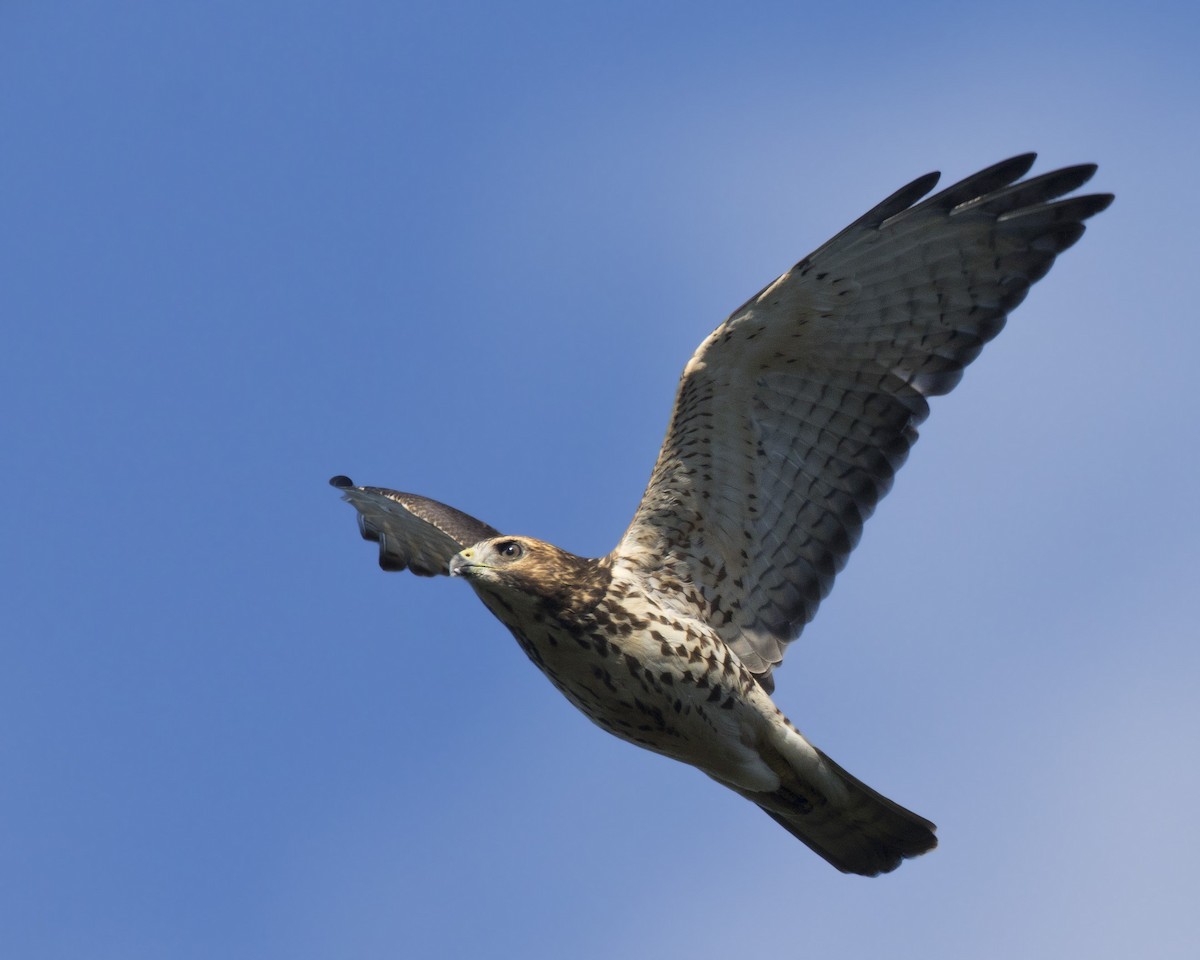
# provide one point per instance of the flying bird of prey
(789, 423)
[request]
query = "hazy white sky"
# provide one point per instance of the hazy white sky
(465, 250)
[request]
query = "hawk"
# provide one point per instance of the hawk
(789, 423)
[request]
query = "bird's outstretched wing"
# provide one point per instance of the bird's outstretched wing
(413, 533)
(792, 417)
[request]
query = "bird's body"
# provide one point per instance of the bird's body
(634, 667)
(669, 683)
(789, 424)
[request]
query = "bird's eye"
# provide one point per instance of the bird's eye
(510, 550)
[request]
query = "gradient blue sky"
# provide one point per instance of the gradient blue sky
(464, 250)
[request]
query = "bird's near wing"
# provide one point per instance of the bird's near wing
(413, 532)
(793, 416)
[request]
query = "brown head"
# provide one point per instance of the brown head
(524, 569)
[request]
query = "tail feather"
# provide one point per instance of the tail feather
(859, 832)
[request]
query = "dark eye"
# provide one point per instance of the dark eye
(510, 550)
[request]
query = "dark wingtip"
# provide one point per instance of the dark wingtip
(341, 482)
(1014, 167)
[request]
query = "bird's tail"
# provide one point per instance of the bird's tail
(846, 822)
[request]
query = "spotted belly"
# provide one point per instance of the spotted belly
(671, 687)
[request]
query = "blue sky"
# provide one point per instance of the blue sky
(465, 250)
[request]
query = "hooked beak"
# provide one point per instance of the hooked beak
(460, 562)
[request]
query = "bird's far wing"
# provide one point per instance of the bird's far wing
(793, 416)
(413, 533)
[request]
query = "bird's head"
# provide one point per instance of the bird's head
(505, 561)
(516, 567)
(489, 557)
